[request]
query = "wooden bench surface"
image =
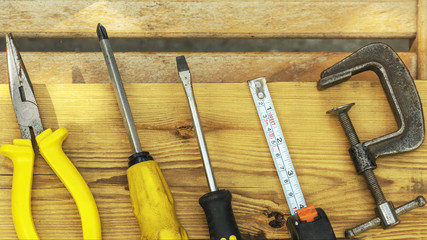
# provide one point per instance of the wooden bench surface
(99, 148)
(73, 90)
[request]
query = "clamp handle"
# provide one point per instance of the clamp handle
(374, 222)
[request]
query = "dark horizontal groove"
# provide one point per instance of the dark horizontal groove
(203, 45)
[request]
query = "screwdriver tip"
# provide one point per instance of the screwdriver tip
(181, 64)
(101, 31)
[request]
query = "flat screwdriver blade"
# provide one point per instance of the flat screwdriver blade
(181, 64)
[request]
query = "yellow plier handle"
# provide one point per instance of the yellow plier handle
(50, 146)
(22, 155)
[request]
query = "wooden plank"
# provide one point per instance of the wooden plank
(218, 19)
(99, 147)
(205, 67)
(421, 39)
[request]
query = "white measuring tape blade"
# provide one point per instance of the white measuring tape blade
(276, 142)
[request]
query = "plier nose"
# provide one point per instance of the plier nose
(21, 92)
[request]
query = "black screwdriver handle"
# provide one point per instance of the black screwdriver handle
(219, 214)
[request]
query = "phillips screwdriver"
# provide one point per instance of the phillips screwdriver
(152, 201)
(217, 203)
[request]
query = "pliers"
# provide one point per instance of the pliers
(50, 147)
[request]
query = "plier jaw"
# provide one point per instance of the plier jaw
(21, 92)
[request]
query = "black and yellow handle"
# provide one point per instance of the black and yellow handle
(219, 214)
(152, 201)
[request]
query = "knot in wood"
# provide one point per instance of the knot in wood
(185, 132)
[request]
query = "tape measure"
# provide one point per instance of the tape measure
(276, 142)
(305, 223)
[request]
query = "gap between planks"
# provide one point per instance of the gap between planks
(54, 67)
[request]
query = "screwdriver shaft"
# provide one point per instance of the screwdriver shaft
(184, 74)
(119, 89)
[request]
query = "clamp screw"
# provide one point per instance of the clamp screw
(384, 208)
(350, 132)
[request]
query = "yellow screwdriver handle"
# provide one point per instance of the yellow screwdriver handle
(22, 155)
(50, 146)
(153, 203)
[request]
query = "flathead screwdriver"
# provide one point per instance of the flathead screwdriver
(217, 203)
(152, 201)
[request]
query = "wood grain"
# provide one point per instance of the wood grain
(422, 39)
(99, 148)
(218, 19)
(56, 67)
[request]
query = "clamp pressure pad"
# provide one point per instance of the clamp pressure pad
(405, 103)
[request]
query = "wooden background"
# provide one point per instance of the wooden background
(73, 91)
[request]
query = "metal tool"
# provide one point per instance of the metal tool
(152, 201)
(306, 222)
(405, 103)
(216, 203)
(50, 147)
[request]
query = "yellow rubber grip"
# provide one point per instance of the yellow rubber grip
(153, 203)
(50, 146)
(22, 155)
